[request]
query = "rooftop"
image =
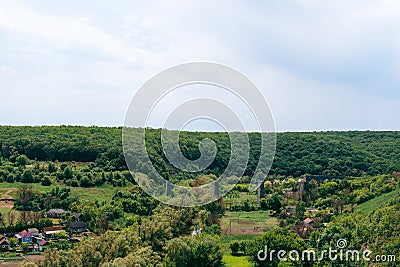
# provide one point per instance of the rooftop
(79, 224)
(308, 220)
(56, 211)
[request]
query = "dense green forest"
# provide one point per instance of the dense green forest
(351, 153)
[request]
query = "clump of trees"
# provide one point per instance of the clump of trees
(70, 174)
(378, 231)
(278, 239)
(30, 200)
(200, 250)
(149, 241)
(134, 200)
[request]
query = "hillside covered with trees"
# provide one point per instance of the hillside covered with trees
(346, 184)
(351, 153)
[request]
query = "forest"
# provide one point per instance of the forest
(351, 153)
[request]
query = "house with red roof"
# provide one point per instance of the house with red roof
(308, 222)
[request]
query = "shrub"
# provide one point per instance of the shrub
(234, 246)
(46, 181)
(86, 182)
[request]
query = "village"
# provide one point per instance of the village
(65, 226)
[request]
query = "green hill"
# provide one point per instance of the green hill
(352, 153)
(378, 202)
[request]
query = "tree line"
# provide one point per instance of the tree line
(352, 153)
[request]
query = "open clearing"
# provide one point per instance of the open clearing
(103, 193)
(377, 202)
(236, 261)
(9, 191)
(247, 223)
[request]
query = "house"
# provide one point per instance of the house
(290, 210)
(33, 231)
(196, 231)
(308, 222)
(77, 227)
(301, 182)
(48, 231)
(288, 193)
(287, 190)
(4, 243)
(41, 244)
(24, 236)
(55, 213)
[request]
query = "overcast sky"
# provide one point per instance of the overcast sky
(322, 65)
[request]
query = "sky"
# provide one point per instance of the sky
(321, 65)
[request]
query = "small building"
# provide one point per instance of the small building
(196, 231)
(24, 236)
(77, 227)
(33, 231)
(48, 231)
(4, 243)
(301, 182)
(290, 210)
(41, 244)
(55, 213)
(308, 222)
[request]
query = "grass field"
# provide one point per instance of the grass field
(4, 210)
(247, 223)
(233, 261)
(228, 259)
(4, 187)
(103, 193)
(377, 202)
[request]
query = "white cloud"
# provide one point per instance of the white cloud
(5, 68)
(67, 33)
(308, 105)
(322, 65)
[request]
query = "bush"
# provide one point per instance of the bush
(263, 204)
(214, 229)
(60, 235)
(52, 167)
(21, 161)
(234, 246)
(243, 246)
(86, 182)
(27, 177)
(68, 173)
(241, 187)
(74, 183)
(247, 206)
(46, 181)
(363, 196)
